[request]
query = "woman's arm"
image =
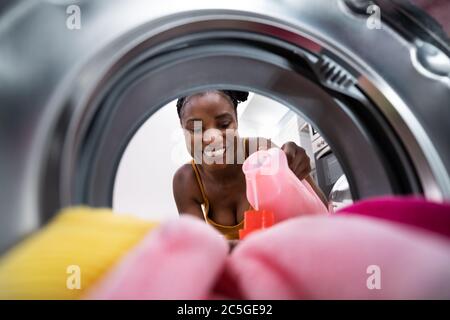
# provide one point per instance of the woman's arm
(183, 194)
(317, 190)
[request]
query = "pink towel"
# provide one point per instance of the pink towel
(342, 256)
(334, 258)
(180, 260)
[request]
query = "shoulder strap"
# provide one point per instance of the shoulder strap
(244, 141)
(200, 184)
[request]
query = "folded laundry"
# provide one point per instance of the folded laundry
(334, 257)
(309, 257)
(180, 260)
(341, 256)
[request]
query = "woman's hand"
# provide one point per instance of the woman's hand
(298, 160)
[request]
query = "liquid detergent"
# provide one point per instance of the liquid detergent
(256, 220)
(272, 186)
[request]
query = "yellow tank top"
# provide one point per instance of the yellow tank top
(230, 232)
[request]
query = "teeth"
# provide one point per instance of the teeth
(215, 153)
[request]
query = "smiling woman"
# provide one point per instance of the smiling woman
(208, 117)
(212, 186)
(202, 142)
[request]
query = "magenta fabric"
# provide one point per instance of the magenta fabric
(412, 211)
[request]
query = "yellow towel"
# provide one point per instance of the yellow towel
(67, 256)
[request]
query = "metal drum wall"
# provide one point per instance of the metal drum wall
(72, 99)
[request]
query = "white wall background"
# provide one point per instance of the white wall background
(143, 184)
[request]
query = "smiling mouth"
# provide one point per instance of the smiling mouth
(214, 153)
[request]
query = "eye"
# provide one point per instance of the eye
(193, 130)
(224, 125)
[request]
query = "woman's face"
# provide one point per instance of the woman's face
(210, 125)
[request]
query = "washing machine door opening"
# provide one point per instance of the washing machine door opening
(102, 84)
(370, 152)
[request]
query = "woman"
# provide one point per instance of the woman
(212, 187)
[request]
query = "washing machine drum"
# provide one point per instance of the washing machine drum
(77, 81)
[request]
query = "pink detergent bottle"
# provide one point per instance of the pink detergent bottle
(272, 186)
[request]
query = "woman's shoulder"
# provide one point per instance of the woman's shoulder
(184, 174)
(184, 182)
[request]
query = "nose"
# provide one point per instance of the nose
(212, 135)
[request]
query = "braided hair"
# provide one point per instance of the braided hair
(235, 96)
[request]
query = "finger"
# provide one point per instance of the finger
(290, 153)
(301, 166)
(304, 172)
(295, 164)
(289, 147)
